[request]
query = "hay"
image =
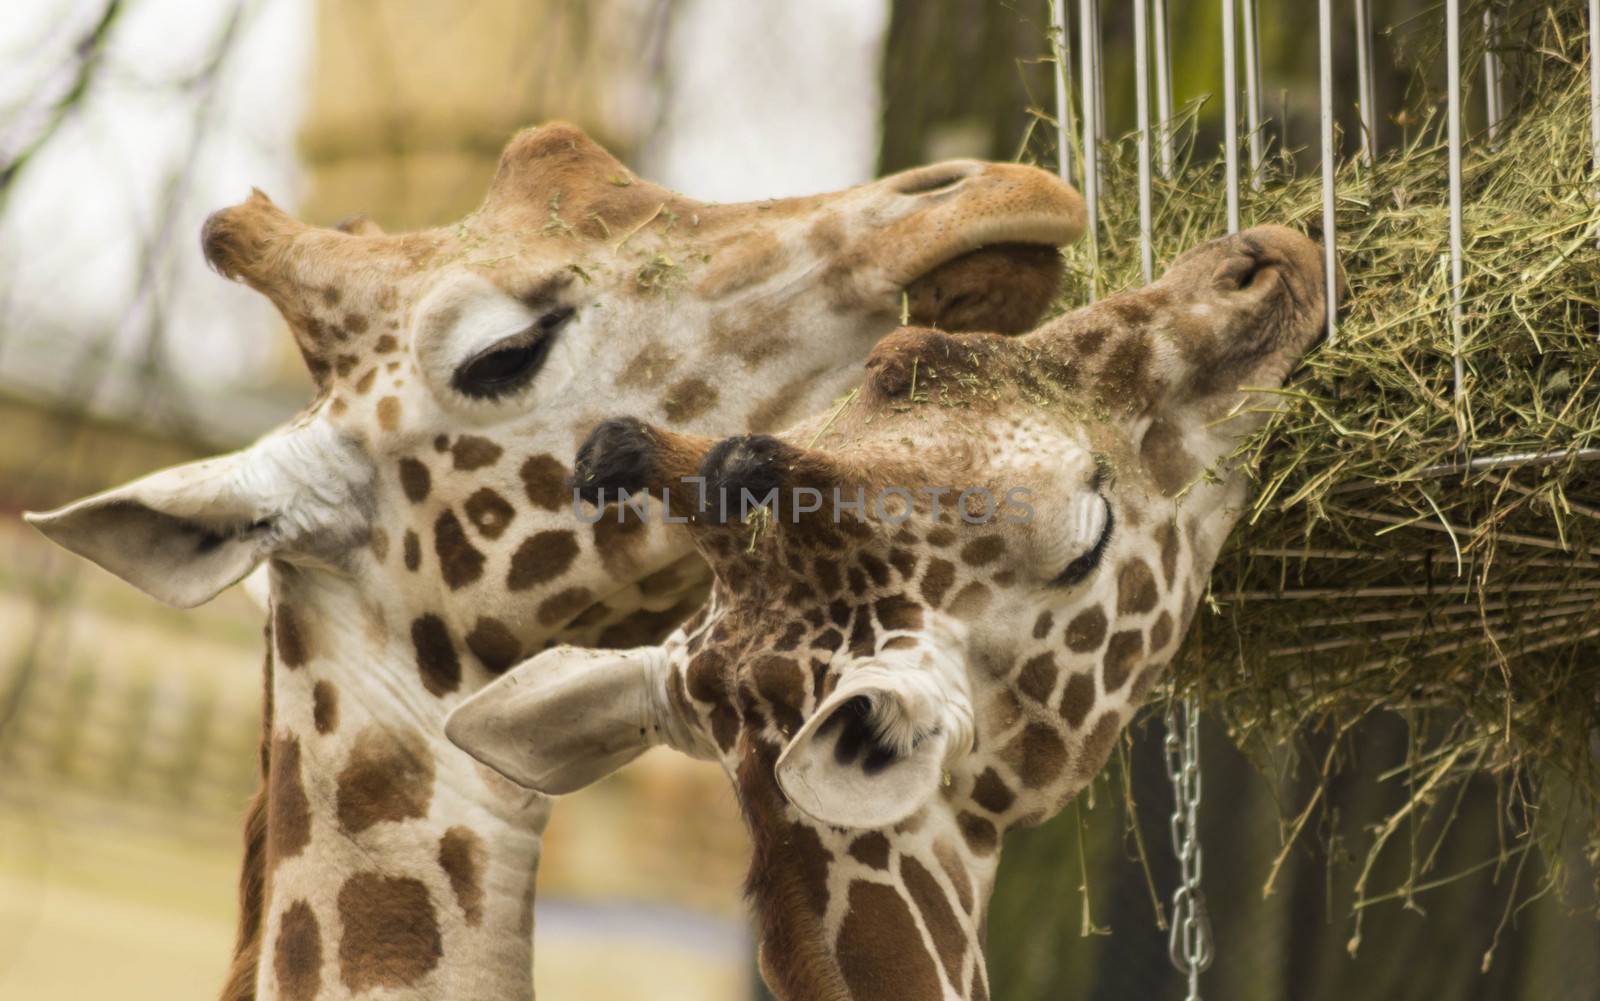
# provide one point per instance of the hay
(1373, 572)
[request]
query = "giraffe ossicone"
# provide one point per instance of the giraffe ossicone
(415, 519)
(891, 688)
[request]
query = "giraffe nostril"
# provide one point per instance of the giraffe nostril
(939, 177)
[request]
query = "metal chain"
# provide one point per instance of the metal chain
(1190, 943)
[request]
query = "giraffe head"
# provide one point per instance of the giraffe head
(454, 365)
(891, 686)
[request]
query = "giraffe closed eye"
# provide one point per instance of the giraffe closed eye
(511, 364)
(1080, 568)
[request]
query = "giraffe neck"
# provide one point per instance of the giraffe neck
(391, 860)
(893, 915)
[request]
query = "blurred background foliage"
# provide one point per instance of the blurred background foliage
(127, 731)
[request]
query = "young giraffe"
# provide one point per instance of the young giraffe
(891, 694)
(415, 520)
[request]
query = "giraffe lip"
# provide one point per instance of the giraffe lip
(1002, 287)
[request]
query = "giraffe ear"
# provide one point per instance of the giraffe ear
(875, 750)
(180, 535)
(183, 534)
(566, 718)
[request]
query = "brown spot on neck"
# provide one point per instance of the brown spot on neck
(297, 954)
(944, 927)
(871, 849)
(437, 660)
(391, 933)
(293, 648)
(881, 954)
(388, 777)
(288, 809)
(464, 858)
(325, 707)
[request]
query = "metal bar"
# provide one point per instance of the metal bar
(1513, 459)
(1252, 90)
(1066, 123)
(1230, 113)
(1364, 81)
(1410, 591)
(1594, 81)
(1329, 232)
(1091, 146)
(1453, 54)
(1594, 89)
(1093, 43)
(1158, 13)
(1491, 75)
(1141, 60)
(1508, 461)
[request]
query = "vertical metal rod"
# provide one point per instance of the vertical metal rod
(1099, 76)
(1453, 54)
(1594, 82)
(1491, 75)
(1141, 62)
(1364, 81)
(1066, 122)
(1252, 90)
(1158, 12)
(1329, 158)
(1594, 89)
(1091, 146)
(1230, 114)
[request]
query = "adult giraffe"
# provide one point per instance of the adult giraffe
(419, 535)
(892, 682)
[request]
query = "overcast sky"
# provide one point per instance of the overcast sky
(88, 246)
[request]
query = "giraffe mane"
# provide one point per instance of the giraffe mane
(794, 956)
(240, 981)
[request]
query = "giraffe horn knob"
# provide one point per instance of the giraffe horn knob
(618, 455)
(755, 463)
(244, 240)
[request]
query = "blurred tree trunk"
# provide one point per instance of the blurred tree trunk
(956, 81)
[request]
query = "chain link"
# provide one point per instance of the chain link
(1190, 944)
